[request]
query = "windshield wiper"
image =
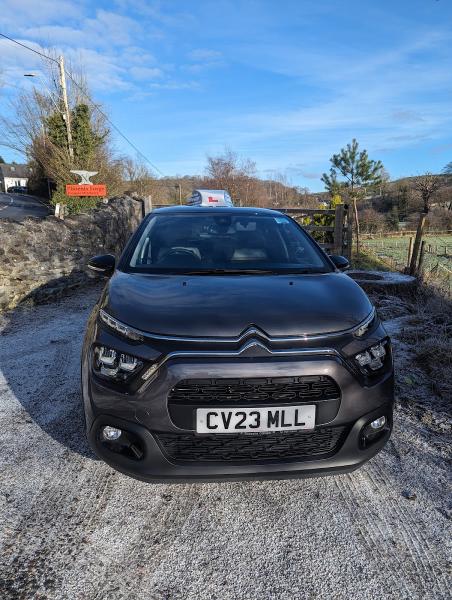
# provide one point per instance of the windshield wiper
(305, 272)
(233, 272)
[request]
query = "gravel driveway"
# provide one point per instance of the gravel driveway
(72, 528)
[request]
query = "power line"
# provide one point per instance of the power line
(113, 125)
(28, 48)
(90, 100)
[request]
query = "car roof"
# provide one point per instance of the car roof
(228, 210)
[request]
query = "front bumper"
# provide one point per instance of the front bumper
(156, 467)
(145, 415)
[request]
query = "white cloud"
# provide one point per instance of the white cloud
(158, 13)
(175, 85)
(204, 54)
(203, 59)
(113, 28)
(104, 29)
(56, 35)
(16, 61)
(16, 12)
(387, 100)
(406, 116)
(110, 48)
(145, 73)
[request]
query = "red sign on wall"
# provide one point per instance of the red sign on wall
(96, 189)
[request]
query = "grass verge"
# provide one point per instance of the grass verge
(367, 262)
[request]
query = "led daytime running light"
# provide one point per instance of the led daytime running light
(365, 325)
(121, 328)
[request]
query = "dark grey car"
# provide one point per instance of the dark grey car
(227, 344)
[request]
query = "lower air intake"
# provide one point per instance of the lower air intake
(241, 447)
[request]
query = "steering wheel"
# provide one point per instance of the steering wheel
(182, 252)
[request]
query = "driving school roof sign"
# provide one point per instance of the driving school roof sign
(209, 198)
(86, 187)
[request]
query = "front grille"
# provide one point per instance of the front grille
(237, 447)
(263, 390)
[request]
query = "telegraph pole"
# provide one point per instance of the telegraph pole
(66, 114)
(178, 186)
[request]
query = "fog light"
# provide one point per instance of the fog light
(111, 434)
(374, 431)
(378, 423)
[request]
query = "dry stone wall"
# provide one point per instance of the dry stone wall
(41, 259)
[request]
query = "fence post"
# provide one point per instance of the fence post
(410, 249)
(421, 258)
(349, 234)
(147, 204)
(417, 242)
(338, 229)
(60, 211)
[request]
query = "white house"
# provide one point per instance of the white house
(12, 175)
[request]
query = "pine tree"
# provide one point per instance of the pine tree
(56, 129)
(359, 172)
(85, 141)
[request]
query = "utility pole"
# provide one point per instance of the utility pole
(66, 114)
(178, 186)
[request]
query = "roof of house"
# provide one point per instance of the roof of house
(9, 170)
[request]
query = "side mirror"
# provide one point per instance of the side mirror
(103, 264)
(340, 262)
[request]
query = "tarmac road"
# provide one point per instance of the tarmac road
(72, 528)
(20, 206)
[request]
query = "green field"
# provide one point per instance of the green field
(393, 251)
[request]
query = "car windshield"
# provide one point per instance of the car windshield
(224, 243)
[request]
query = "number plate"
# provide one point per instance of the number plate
(255, 420)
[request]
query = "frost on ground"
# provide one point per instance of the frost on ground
(72, 528)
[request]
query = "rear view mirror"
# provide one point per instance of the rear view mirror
(340, 262)
(103, 264)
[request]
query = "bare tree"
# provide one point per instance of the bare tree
(138, 177)
(372, 221)
(427, 185)
(229, 172)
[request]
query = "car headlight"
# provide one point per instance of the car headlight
(122, 328)
(372, 359)
(114, 365)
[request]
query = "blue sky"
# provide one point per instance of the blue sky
(284, 83)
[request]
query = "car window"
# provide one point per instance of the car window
(205, 242)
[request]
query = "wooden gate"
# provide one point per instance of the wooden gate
(330, 227)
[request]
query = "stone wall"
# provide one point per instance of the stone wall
(40, 259)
